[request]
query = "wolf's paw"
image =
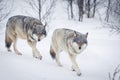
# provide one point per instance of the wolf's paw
(9, 50)
(19, 53)
(60, 65)
(73, 68)
(79, 74)
(38, 57)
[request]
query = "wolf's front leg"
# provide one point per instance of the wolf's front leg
(36, 53)
(75, 65)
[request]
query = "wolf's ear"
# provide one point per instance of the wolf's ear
(72, 34)
(75, 33)
(34, 25)
(45, 24)
(86, 35)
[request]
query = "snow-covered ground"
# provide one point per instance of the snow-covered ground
(100, 57)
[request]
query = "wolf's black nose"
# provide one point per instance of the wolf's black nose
(79, 47)
(38, 39)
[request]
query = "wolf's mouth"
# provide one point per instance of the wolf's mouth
(33, 39)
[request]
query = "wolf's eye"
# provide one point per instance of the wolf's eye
(34, 31)
(79, 47)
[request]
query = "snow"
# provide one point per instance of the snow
(101, 56)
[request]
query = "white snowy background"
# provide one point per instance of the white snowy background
(100, 57)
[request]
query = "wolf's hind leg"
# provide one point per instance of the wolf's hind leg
(8, 42)
(58, 59)
(14, 46)
(55, 54)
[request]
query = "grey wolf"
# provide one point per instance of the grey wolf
(24, 27)
(70, 41)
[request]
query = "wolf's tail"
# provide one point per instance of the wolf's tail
(8, 40)
(52, 53)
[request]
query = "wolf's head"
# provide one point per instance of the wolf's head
(39, 32)
(80, 42)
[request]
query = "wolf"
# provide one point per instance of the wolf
(24, 27)
(68, 40)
